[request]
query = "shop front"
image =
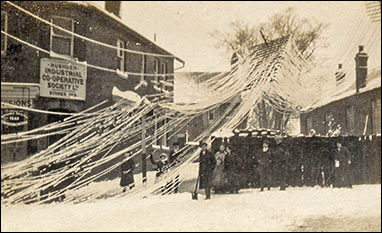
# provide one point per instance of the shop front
(14, 119)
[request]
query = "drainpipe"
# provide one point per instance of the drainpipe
(181, 61)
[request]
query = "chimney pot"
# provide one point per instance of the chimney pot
(360, 48)
(340, 75)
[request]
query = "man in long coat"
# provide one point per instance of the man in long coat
(264, 156)
(342, 162)
(279, 163)
(207, 164)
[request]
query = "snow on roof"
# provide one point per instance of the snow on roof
(227, 133)
(111, 15)
(373, 81)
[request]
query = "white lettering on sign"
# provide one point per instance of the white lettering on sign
(14, 118)
(27, 103)
(62, 79)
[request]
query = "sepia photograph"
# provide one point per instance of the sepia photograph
(191, 116)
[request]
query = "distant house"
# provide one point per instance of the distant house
(190, 87)
(355, 110)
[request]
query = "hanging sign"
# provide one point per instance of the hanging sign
(14, 118)
(62, 79)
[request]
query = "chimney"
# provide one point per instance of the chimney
(340, 75)
(360, 68)
(113, 7)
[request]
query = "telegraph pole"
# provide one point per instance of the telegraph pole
(144, 172)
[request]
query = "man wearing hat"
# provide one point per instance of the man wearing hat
(342, 163)
(207, 164)
(279, 161)
(264, 156)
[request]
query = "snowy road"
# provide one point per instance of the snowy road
(250, 210)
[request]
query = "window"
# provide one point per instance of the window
(164, 71)
(4, 27)
(350, 123)
(328, 117)
(376, 111)
(309, 124)
(156, 72)
(121, 54)
(62, 42)
(143, 68)
(211, 115)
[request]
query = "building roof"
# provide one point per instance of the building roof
(269, 53)
(119, 20)
(189, 86)
(373, 81)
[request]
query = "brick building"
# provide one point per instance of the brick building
(355, 109)
(23, 67)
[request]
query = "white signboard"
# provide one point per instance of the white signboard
(62, 79)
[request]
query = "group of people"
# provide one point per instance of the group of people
(268, 166)
(219, 171)
(224, 171)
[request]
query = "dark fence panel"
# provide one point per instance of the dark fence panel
(310, 160)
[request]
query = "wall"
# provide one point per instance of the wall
(362, 104)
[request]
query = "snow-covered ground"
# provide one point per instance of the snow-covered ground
(250, 210)
(296, 209)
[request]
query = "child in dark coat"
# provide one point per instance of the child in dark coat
(127, 175)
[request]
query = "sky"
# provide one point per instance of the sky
(183, 27)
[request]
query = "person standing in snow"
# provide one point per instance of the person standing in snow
(279, 162)
(218, 172)
(231, 170)
(127, 175)
(207, 164)
(342, 163)
(264, 160)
